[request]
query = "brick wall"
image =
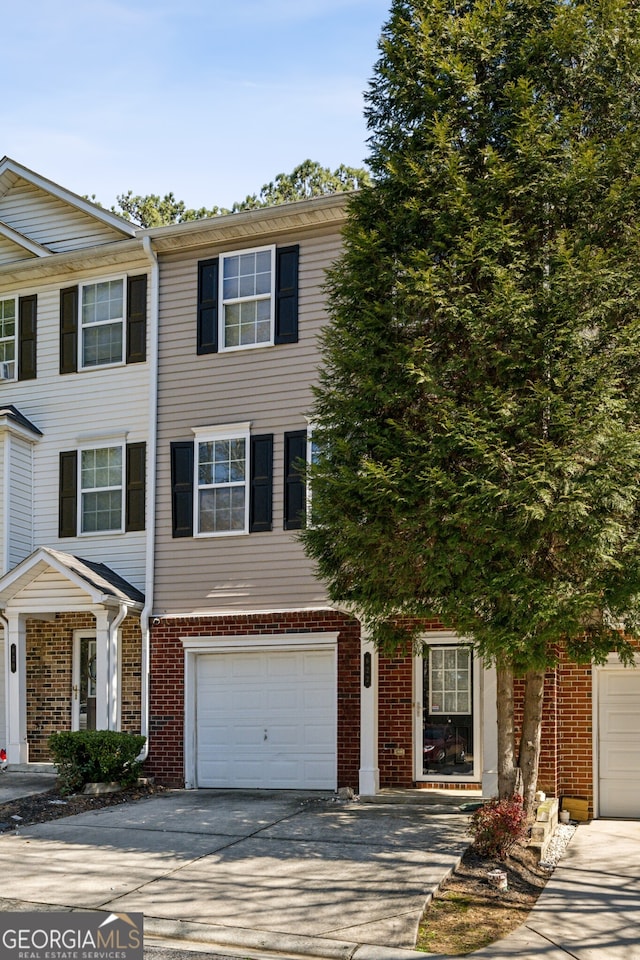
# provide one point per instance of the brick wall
(49, 660)
(166, 712)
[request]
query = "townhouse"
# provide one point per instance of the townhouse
(75, 390)
(156, 395)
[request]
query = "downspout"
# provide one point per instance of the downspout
(113, 664)
(151, 496)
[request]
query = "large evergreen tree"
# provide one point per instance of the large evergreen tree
(479, 407)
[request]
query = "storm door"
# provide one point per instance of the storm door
(83, 712)
(447, 711)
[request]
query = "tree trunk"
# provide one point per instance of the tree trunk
(507, 772)
(530, 741)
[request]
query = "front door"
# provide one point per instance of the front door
(83, 713)
(446, 740)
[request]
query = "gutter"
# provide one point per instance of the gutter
(151, 496)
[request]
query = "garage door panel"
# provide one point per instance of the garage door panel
(619, 742)
(266, 720)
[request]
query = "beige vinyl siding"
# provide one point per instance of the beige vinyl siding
(50, 221)
(20, 500)
(271, 387)
(71, 408)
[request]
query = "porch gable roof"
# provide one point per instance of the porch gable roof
(102, 584)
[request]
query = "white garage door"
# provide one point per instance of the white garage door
(619, 742)
(266, 720)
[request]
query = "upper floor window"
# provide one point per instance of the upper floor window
(101, 490)
(221, 482)
(18, 337)
(222, 501)
(248, 298)
(102, 322)
(8, 339)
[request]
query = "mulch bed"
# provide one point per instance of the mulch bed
(41, 807)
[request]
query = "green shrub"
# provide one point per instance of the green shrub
(497, 826)
(95, 756)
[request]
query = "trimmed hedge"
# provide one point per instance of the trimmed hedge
(95, 756)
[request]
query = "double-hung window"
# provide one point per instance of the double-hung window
(222, 482)
(247, 298)
(101, 490)
(103, 323)
(102, 317)
(222, 472)
(8, 329)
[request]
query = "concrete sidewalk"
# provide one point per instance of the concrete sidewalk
(590, 908)
(25, 782)
(289, 872)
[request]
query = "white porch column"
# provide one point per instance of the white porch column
(489, 733)
(369, 770)
(16, 673)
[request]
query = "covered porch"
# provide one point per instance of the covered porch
(72, 651)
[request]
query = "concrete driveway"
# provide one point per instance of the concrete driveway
(292, 872)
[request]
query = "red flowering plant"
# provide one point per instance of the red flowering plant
(497, 826)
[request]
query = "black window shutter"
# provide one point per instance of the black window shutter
(208, 306)
(295, 489)
(135, 488)
(182, 488)
(69, 330)
(260, 508)
(137, 319)
(287, 294)
(68, 494)
(27, 309)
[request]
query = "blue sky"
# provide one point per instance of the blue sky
(208, 99)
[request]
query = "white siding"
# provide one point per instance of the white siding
(10, 251)
(20, 501)
(50, 221)
(271, 387)
(68, 408)
(49, 591)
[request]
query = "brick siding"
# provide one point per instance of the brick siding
(166, 755)
(49, 665)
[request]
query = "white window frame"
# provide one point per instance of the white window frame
(81, 491)
(237, 431)
(271, 297)
(4, 299)
(94, 282)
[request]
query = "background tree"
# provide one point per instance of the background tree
(308, 179)
(479, 404)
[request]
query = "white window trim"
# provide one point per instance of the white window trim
(15, 339)
(223, 348)
(81, 326)
(102, 446)
(238, 431)
(440, 638)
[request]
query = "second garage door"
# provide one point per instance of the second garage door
(619, 742)
(266, 720)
